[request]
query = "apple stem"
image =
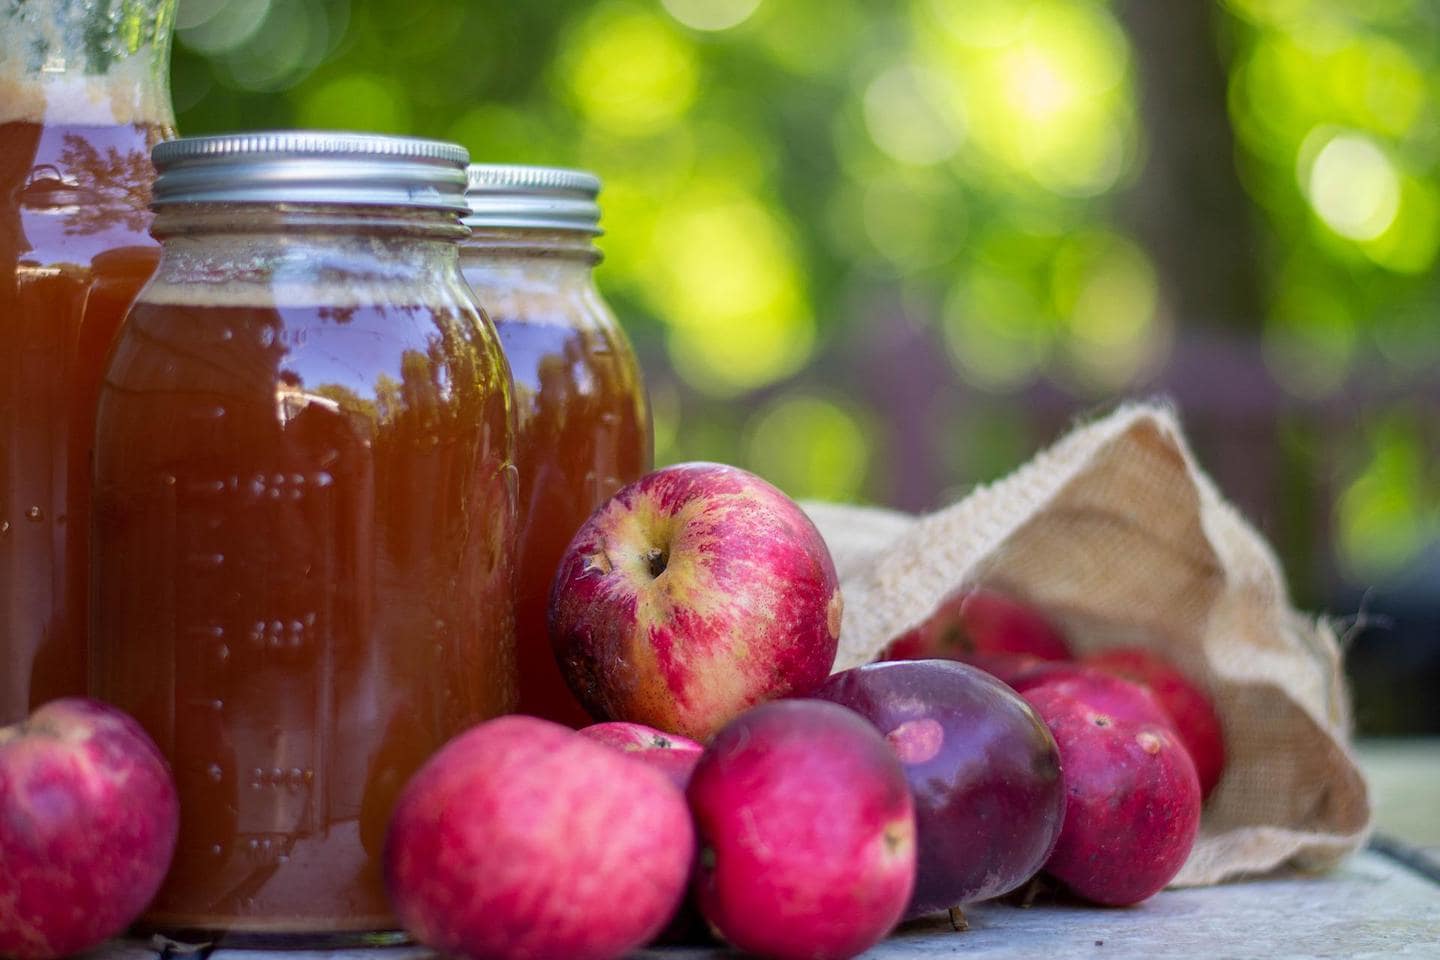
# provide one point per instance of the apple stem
(1024, 898)
(958, 921)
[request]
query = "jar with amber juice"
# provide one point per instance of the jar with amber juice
(84, 95)
(303, 519)
(583, 420)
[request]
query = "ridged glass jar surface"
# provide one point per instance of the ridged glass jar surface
(84, 95)
(304, 536)
(583, 419)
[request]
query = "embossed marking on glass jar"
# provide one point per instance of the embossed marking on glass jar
(305, 521)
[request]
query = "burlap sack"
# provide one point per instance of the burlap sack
(1120, 538)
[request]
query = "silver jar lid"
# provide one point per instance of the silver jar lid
(310, 166)
(536, 198)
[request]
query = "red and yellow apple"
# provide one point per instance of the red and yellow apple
(88, 820)
(694, 593)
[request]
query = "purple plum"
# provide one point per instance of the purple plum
(985, 771)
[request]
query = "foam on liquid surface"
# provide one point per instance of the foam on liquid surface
(246, 270)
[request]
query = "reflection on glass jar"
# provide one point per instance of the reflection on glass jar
(583, 420)
(82, 101)
(304, 516)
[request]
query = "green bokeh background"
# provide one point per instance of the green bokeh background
(882, 251)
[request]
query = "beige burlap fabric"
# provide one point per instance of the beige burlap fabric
(1120, 538)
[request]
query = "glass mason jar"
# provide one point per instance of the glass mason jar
(583, 419)
(84, 95)
(304, 517)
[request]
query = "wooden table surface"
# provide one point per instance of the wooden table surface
(1383, 902)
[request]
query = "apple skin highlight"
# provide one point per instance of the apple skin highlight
(984, 769)
(807, 832)
(1194, 715)
(1132, 801)
(693, 594)
(88, 822)
(672, 755)
(523, 840)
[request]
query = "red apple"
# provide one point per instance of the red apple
(692, 594)
(1102, 692)
(88, 821)
(521, 839)
(807, 831)
(1190, 709)
(637, 738)
(672, 755)
(980, 621)
(1012, 669)
(989, 797)
(675, 757)
(1132, 801)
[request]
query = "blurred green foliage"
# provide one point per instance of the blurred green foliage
(783, 178)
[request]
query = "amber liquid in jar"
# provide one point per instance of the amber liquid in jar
(74, 250)
(304, 536)
(582, 416)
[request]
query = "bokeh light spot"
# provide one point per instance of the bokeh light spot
(981, 23)
(356, 101)
(809, 446)
(755, 351)
(630, 71)
(193, 13)
(1049, 97)
(711, 14)
(221, 27)
(290, 43)
(1411, 243)
(1352, 185)
(814, 37)
(907, 117)
(1390, 511)
(996, 329)
(723, 275)
(912, 225)
(1105, 289)
(1378, 85)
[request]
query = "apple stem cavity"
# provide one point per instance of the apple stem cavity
(897, 837)
(656, 560)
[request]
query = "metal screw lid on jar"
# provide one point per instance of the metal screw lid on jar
(307, 166)
(536, 198)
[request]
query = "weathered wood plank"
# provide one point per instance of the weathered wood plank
(1372, 907)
